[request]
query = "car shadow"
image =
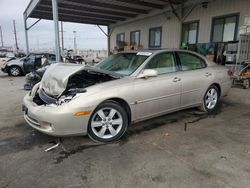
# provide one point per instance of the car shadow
(30, 138)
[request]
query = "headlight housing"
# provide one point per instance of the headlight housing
(64, 99)
(70, 94)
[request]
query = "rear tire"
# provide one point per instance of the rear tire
(210, 99)
(15, 71)
(108, 122)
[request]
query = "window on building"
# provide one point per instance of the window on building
(224, 28)
(190, 32)
(190, 61)
(135, 38)
(120, 37)
(155, 37)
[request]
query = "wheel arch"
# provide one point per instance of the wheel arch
(123, 104)
(218, 86)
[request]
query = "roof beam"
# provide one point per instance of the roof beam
(64, 14)
(143, 3)
(71, 19)
(174, 10)
(33, 24)
(91, 10)
(30, 8)
(101, 5)
(48, 10)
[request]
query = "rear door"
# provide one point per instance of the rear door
(195, 78)
(160, 94)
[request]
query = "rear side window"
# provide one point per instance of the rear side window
(162, 63)
(190, 62)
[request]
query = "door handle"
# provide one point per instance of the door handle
(176, 79)
(207, 74)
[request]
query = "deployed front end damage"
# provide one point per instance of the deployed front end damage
(47, 106)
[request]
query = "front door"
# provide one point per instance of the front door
(28, 63)
(160, 94)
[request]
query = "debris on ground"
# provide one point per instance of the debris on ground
(223, 157)
(195, 120)
(56, 145)
(166, 134)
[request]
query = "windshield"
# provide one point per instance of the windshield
(123, 63)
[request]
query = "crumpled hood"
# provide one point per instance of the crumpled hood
(56, 77)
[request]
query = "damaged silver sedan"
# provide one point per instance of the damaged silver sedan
(128, 87)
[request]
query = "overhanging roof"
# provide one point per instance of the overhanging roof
(98, 12)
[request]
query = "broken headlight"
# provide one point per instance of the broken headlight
(70, 94)
(64, 99)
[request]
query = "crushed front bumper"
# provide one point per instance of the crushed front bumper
(54, 120)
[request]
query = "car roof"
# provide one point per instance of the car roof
(41, 53)
(154, 51)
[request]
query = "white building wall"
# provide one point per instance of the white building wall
(217, 8)
(170, 31)
(171, 28)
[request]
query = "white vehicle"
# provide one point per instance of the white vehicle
(6, 56)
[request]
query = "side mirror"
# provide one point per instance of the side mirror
(146, 73)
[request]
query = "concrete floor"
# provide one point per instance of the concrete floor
(181, 150)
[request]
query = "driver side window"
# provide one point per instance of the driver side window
(163, 63)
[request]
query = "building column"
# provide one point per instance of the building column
(56, 30)
(108, 38)
(26, 33)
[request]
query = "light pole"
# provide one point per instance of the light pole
(56, 29)
(62, 37)
(1, 35)
(74, 41)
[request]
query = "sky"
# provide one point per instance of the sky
(41, 36)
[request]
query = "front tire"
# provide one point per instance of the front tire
(15, 71)
(108, 122)
(210, 99)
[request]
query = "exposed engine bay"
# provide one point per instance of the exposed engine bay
(77, 83)
(86, 78)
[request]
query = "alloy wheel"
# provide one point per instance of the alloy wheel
(106, 123)
(211, 98)
(14, 71)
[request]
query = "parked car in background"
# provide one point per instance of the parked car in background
(6, 56)
(76, 59)
(36, 75)
(17, 67)
(128, 87)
